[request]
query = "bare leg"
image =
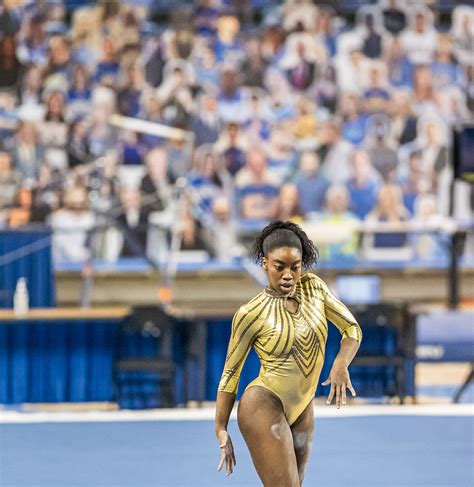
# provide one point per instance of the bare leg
(302, 431)
(268, 436)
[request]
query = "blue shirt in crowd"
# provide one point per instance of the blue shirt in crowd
(312, 191)
(400, 73)
(354, 130)
(363, 199)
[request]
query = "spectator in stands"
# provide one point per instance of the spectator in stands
(306, 124)
(132, 222)
(288, 206)
(227, 45)
(192, 237)
(354, 122)
(428, 245)
(155, 185)
(28, 209)
(302, 71)
(107, 69)
(59, 57)
(79, 93)
(384, 158)
(10, 180)
(153, 61)
(256, 188)
(453, 106)
(399, 66)
(232, 145)
(462, 30)
(101, 136)
(273, 40)
(419, 40)
(412, 183)
(86, 35)
(363, 186)
(205, 18)
(206, 123)
(231, 100)
(129, 96)
(324, 29)
(444, 68)
(403, 124)
(311, 184)
(394, 18)
(326, 90)
(206, 68)
(78, 151)
(31, 87)
(334, 153)
(221, 236)
(32, 43)
(254, 66)
(28, 153)
(424, 96)
(208, 180)
(151, 110)
(176, 97)
(389, 209)
(20, 213)
(376, 97)
(300, 38)
(54, 130)
(349, 67)
(372, 40)
(10, 67)
(281, 154)
(281, 102)
(257, 126)
(72, 225)
(9, 21)
(437, 173)
(341, 222)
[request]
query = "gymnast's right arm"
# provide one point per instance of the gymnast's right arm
(239, 346)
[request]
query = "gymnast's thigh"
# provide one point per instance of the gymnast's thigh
(302, 432)
(268, 436)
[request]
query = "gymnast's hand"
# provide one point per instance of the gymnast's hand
(227, 452)
(340, 381)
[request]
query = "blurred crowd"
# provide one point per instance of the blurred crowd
(296, 111)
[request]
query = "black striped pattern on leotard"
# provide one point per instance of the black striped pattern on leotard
(288, 344)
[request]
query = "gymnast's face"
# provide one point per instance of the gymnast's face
(283, 268)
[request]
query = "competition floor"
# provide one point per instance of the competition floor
(394, 446)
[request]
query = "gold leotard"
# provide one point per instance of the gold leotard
(290, 345)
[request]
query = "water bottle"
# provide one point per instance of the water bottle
(21, 299)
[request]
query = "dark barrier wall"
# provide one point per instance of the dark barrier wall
(57, 361)
(72, 360)
(27, 254)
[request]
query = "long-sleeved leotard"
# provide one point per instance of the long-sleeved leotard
(290, 345)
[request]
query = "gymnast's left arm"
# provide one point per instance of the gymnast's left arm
(344, 320)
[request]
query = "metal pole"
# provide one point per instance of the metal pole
(453, 271)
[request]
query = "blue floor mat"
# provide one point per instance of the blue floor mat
(392, 451)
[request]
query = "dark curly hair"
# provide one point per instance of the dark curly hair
(279, 234)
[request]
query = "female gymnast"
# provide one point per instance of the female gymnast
(286, 323)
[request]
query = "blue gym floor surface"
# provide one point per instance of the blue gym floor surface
(401, 446)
